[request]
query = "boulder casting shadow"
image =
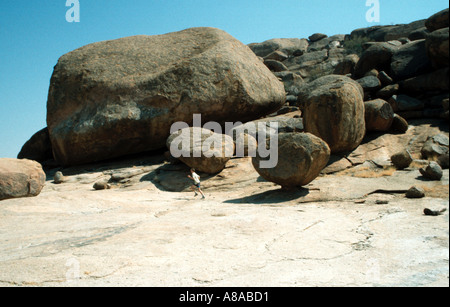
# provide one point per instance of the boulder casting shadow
(271, 197)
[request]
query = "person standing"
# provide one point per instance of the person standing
(196, 186)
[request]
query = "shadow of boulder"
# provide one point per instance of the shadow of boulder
(271, 197)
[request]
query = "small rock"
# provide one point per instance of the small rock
(388, 91)
(275, 66)
(101, 185)
(399, 124)
(385, 78)
(402, 160)
(415, 192)
(430, 212)
(369, 83)
(433, 171)
(317, 37)
(435, 146)
(381, 202)
(58, 178)
(443, 160)
(277, 55)
(372, 72)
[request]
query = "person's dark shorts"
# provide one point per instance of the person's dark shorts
(197, 185)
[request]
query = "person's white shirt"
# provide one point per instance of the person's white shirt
(196, 178)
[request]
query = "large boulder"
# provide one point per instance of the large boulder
(306, 60)
(202, 149)
(333, 109)
(301, 158)
(434, 81)
(20, 178)
(437, 44)
(377, 56)
(37, 148)
(417, 34)
(437, 21)
(291, 81)
(407, 103)
(119, 97)
(409, 60)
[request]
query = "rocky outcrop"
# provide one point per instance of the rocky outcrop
(388, 33)
(20, 178)
(202, 149)
(113, 98)
(301, 158)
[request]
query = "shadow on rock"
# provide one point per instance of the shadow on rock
(272, 197)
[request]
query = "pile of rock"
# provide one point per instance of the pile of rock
(326, 92)
(404, 66)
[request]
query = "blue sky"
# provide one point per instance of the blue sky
(35, 33)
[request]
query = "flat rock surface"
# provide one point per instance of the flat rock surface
(330, 233)
(351, 226)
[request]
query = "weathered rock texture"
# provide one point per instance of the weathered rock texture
(301, 158)
(379, 115)
(37, 148)
(204, 150)
(20, 178)
(333, 109)
(119, 97)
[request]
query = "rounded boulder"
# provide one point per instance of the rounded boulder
(202, 149)
(301, 158)
(20, 178)
(120, 97)
(379, 115)
(333, 110)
